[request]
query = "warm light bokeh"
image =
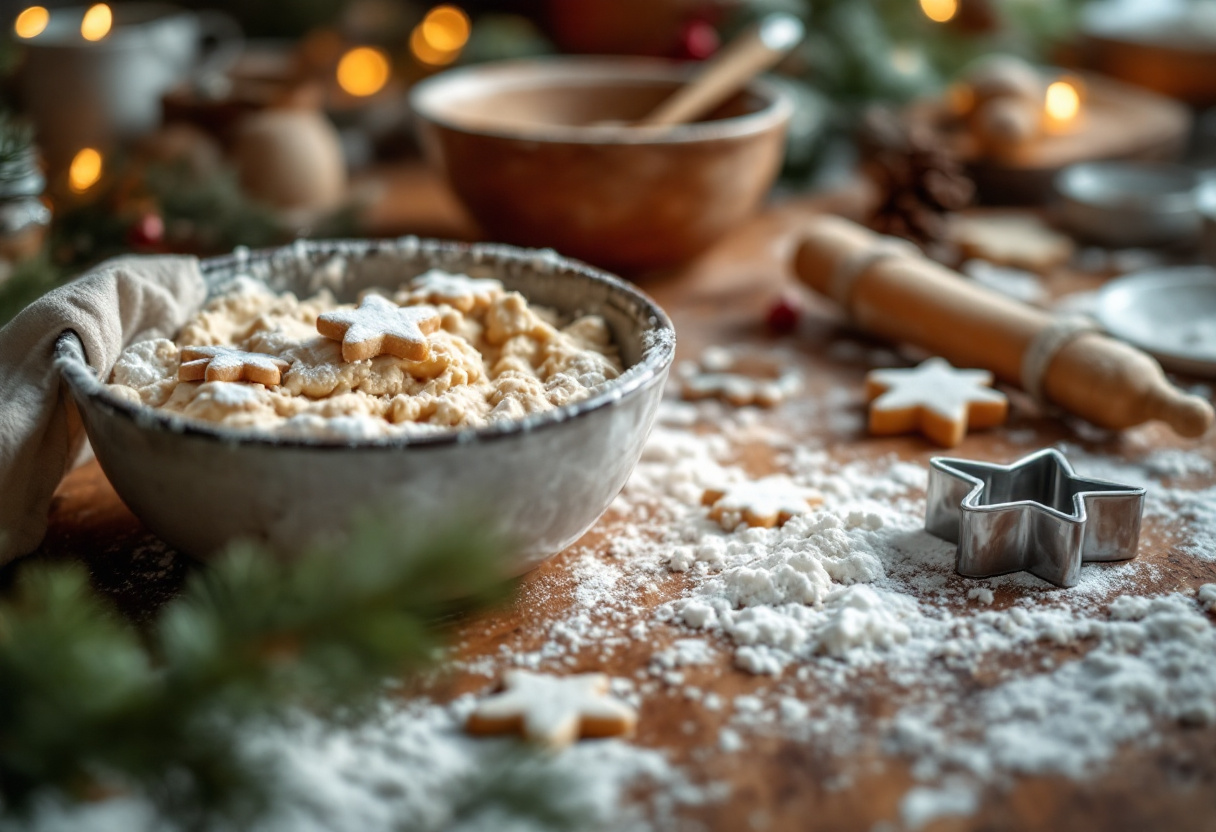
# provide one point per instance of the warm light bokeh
(31, 22)
(939, 11)
(1063, 102)
(85, 170)
(363, 71)
(97, 22)
(438, 39)
(446, 28)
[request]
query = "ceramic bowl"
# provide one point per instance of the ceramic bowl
(540, 481)
(541, 153)
(1170, 313)
(1207, 210)
(1130, 203)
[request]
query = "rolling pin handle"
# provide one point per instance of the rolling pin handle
(1190, 415)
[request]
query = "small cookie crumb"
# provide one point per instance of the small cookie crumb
(740, 378)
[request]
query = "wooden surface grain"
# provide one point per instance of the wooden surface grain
(779, 782)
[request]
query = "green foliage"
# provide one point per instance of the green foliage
(519, 791)
(28, 282)
(16, 147)
(210, 212)
(90, 706)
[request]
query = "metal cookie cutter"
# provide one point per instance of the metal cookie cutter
(1035, 515)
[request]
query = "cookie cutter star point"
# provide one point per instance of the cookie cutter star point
(1034, 515)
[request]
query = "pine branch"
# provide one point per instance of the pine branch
(516, 790)
(88, 706)
(16, 147)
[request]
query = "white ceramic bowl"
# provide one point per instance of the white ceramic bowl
(539, 482)
(1169, 313)
(1207, 210)
(1130, 203)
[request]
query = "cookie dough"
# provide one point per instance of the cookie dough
(493, 357)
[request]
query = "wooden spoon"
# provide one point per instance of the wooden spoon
(756, 49)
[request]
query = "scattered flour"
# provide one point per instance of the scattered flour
(413, 767)
(981, 595)
(840, 607)
(922, 805)
(857, 596)
(1207, 597)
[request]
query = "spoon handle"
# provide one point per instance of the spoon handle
(758, 48)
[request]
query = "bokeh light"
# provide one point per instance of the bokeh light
(442, 34)
(939, 11)
(97, 22)
(1062, 102)
(31, 22)
(85, 170)
(446, 28)
(364, 71)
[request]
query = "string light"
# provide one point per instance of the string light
(442, 34)
(97, 22)
(32, 22)
(363, 71)
(939, 11)
(85, 170)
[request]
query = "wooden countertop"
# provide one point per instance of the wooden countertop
(722, 299)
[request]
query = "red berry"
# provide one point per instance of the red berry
(785, 313)
(147, 232)
(698, 41)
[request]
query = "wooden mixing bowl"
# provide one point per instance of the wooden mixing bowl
(531, 149)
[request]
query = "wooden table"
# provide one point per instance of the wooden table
(722, 299)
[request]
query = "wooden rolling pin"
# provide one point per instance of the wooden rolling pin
(903, 296)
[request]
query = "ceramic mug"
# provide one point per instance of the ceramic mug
(90, 94)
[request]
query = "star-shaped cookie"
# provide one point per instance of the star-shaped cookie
(379, 326)
(769, 502)
(456, 290)
(553, 711)
(935, 399)
(230, 364)
(1035, 515)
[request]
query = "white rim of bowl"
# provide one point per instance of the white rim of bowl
(1124, 197)
(1152, 280)
(657, 356)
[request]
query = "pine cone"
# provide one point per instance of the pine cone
(919, 181)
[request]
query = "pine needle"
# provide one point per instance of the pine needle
(89, 707)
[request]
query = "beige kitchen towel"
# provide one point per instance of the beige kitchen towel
(115, 304)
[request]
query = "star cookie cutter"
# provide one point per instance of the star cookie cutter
(1035, 515)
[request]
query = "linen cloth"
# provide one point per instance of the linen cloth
(117, 303)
